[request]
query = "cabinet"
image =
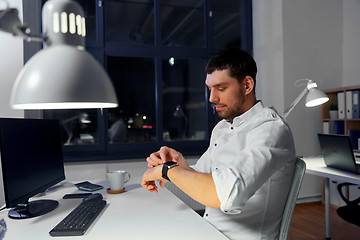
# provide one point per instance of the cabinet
(346, 99)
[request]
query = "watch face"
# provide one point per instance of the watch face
(171, 164)
(166, 167)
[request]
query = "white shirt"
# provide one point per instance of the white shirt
(117, 131)
(252, 163)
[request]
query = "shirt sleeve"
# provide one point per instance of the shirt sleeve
(203, 164)
(267, 149)
(227, 195)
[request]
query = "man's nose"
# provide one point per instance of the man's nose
(214, 98)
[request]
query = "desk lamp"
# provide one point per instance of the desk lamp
(62, 75)
(313, 98)
(67, 123)
(180, 113)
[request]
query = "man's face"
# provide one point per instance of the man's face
(227, 94)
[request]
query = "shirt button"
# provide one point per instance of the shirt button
(215, 144)
(232, 128)
(206, 215)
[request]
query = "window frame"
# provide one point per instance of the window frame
(100, 49)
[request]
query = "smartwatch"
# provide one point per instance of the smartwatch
(166, 167)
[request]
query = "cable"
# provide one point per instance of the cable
(2, 207)
(303, 81)
(3, 12)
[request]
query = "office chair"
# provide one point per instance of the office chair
(292, 197)
(351, 211)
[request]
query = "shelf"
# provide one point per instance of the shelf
(332, 119)
(348, 124)
(336, 90)
(338, 119)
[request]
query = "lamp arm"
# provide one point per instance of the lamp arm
(72, 118)
(296, 101)
(10, 23)
(33, 38)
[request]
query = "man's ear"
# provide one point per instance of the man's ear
(249, 84)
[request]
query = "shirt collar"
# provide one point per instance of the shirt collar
(248, 115)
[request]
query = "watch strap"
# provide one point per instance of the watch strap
(166, 167)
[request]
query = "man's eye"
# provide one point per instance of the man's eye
(221, 89)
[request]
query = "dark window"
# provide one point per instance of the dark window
(135, 118)
(184, 100)
(182, 23)
(155, 52)
(129, 21)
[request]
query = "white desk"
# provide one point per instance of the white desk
(316, 166)
(135, 214)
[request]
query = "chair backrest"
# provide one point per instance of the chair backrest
(299, 172)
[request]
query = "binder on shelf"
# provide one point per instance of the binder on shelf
(341, 105)
(339, 127)
(354, 138)
(355, 104)
(328, 127)
(349, 104)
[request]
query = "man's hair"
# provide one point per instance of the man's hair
(239, 63)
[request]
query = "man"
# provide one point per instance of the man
(118, 129)
(244, 177)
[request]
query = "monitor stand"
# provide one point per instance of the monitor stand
(33, 209)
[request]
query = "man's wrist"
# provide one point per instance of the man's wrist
(165, 168)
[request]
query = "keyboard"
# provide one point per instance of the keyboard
(77, 222)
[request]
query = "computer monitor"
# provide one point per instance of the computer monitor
(32, 162)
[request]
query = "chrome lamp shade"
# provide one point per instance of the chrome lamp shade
(62, 75)
(315, 97)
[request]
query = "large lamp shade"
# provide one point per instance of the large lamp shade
(62, 75)
(74, 80)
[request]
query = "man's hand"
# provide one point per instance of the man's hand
(149, 177)
(155, 163)
(199, 186)
(165, 154)
(154, 160)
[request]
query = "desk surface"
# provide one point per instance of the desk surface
(316, 166)
(135, 214)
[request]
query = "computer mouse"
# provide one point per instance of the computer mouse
(93, 197)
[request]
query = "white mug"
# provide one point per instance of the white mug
(117, 179)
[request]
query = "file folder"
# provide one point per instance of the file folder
(341, 105)
(349, 105)
(355, 104)
(354, 138)
(339, 127)
(326, 127)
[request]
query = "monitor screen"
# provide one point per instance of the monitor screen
(32, 161)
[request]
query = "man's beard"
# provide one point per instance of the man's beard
(227, 115)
